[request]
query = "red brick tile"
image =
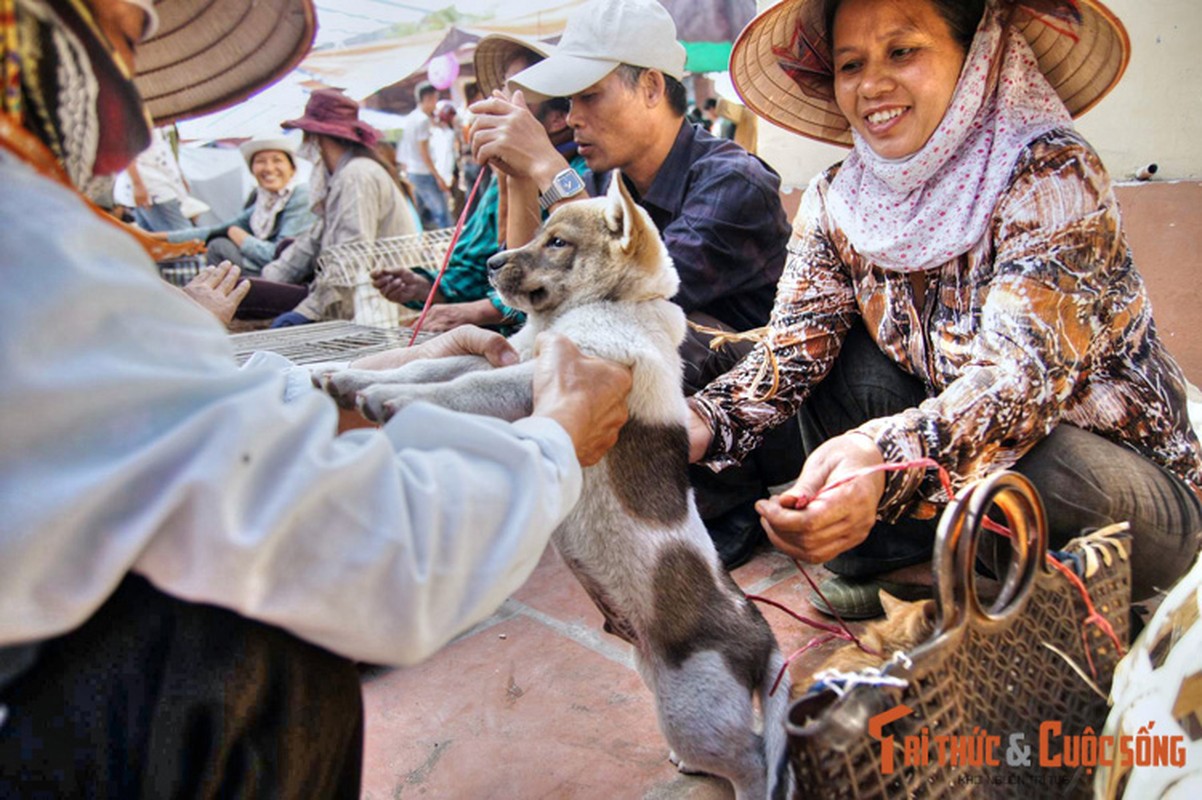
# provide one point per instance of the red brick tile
(528, 716)
(542, 713)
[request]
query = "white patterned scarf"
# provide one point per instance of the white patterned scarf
(268, 206)
(921, 211)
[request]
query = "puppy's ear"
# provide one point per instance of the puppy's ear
(621, 213)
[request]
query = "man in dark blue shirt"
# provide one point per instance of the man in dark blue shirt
(718, 210)
(717, 207)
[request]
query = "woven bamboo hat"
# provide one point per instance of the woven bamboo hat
(495, 51)
(209, 54)
(1083, 59)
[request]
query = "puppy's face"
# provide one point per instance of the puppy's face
(588, 251)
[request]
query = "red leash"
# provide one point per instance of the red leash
(467, 206)
(842, 631)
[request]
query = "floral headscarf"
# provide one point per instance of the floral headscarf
(918, 212)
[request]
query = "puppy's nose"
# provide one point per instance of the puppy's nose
(498, 261)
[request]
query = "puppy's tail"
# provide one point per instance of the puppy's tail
(775, 706)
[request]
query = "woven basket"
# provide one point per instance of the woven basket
(984, 669)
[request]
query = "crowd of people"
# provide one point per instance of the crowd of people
(957, 288)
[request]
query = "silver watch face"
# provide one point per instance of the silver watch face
(568, 183)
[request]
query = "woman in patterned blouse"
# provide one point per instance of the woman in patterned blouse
(958, 288)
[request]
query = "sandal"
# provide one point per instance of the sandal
(859, 598)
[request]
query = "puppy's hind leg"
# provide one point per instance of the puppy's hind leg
(708, 717)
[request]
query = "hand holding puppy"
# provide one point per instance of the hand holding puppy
(584, 394)
(466, 340)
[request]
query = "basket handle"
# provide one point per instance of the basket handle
(965, 524)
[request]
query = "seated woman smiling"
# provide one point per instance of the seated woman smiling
(959, 288)
(278, 211)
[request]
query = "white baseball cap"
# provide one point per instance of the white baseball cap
(598, 37)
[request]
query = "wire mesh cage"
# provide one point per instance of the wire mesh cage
(350, 266)
(321, 342)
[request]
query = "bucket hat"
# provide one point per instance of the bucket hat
(331, 112)
(1083, 58)
(278, 144)
(495, 51)
(600, 36)
(204, 55)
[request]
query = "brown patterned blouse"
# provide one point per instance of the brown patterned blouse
(1045, 320)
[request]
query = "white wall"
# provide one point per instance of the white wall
(1154, 115)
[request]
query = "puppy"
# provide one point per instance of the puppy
(599, 273)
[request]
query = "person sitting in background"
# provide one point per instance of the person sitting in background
(464, 295)
(278, 211)
(154, 187)
(959, 288)
(357, 197)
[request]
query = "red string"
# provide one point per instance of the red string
(1093, 618)
(844, 632)
(467, 206)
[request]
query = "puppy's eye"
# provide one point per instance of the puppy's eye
(556, 242)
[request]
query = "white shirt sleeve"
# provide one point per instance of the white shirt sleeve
(130, 440)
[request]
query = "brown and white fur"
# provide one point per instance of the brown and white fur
(598, 273)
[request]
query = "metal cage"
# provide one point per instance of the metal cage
(351, 265)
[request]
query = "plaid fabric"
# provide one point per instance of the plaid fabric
(718, 209)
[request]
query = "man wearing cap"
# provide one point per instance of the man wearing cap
(465, 297)
(190, 559)
(717, 207)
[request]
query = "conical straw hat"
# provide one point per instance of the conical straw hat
(495, 51)
(209, 54)
(1083, 61)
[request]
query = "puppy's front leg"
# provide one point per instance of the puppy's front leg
(345, 385)
(506, 393)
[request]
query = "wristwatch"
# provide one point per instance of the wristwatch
(564, 185)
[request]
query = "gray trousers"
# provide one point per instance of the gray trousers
(1085, 481)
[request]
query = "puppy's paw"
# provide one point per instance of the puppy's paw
(683, 767)
(381, 401)
(345, 386)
